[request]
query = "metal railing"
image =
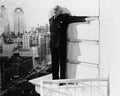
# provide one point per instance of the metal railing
(75, 87)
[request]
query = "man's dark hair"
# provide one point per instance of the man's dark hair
(57, 7)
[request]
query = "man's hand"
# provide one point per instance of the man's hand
(91, 18)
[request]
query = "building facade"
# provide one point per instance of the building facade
(26, 41)
(19, 21)
(4, 21)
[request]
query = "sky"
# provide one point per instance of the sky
(37, 11)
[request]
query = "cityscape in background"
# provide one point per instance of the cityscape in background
(22, 53)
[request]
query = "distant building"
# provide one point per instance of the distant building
(35, 57)
(26, 41)
(8, 49)
(35, 39)
(19, 21)
(26, 53)
(4, 22)
(1, 45)
(46, 28)
(19, 64)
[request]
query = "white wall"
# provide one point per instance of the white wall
(85, 51)
(109, 36)
(110, 41)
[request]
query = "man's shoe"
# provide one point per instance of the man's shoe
(62, 84)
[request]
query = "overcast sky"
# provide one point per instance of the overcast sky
(37, 11)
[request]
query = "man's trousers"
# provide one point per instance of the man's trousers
(58, 56)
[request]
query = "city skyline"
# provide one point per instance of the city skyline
(35, 12)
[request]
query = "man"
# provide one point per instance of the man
(58, 42)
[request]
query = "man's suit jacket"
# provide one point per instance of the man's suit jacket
(58, 28)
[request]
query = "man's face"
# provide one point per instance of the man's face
(57, 11)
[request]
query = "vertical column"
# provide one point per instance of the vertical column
(110, 41)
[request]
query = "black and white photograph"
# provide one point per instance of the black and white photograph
(59, 47)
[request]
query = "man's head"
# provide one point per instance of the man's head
(57, 10)
(65, 11)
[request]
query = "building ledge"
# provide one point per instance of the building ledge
(71, 87)
(38, 80)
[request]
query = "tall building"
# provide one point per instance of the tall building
(1, 45)
(19, 64)
(4, 21)
(7, 49)
(35, 39)
(35, 57)
(26, 41)
(19, 21)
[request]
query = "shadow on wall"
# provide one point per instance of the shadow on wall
(73, 50)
